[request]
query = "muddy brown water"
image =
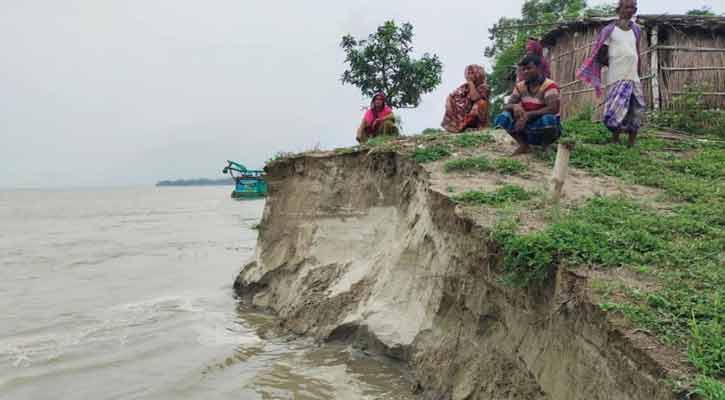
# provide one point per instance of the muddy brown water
(126, 294)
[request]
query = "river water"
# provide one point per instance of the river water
(127, 294)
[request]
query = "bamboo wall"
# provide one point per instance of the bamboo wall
(707, 67)
(573, 46)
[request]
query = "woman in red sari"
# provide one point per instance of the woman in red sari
(467, 106)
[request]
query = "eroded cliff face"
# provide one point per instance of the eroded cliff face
(360, 248)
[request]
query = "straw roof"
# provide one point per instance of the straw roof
(680, 22)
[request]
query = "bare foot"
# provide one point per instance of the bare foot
(522, 149)
(615, 138)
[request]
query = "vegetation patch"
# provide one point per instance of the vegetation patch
(280, 155)
(652, 162)
(432, 131)
(471, 139)
(709, 388)
(433, 153)
(690, 113)
(480, 163)
(679, 251)
(505, 166)
(505, 195)
(379, 140)
(509, 166)
(346, 150)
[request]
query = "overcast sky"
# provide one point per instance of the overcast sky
(127, 92)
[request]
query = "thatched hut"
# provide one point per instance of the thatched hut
(676, 50)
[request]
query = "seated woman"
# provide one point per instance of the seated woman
(378, 120)
(467, 106)
(531, 115)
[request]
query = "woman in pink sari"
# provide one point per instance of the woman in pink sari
(467, 106)
(378, 120)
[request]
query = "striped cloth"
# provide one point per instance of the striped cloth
(624, 107)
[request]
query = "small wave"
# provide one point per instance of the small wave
(116, 325)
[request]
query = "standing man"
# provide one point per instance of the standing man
(531, 115)
(617, 46)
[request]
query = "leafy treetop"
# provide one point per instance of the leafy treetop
(383, 63)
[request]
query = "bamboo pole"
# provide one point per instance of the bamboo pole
(577, 91)
(561, 170)
(654, 69)
(694, 49)
(703, 93)
(693, 68)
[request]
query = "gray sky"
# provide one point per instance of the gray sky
(125, 92)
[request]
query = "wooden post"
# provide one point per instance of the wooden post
(654, 67)
(561, 170)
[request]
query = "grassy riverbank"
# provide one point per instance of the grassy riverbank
(651, 242)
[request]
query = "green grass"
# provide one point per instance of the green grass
(505, 195)
(471, 139)
(709, 388)
(379, 140)
(481, 164)
(432, 153)
(679, 245)
(432, 131)
(652, 162)
(505, 166)
(508, 166)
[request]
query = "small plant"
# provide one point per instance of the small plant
(691, 114)
(505, 194)
(379, 140)
(480, 163)
(432, 131)
(255, 227)
(709, 388)
(346, 150)
(471, 139)
(433, 153)
(280, 155)
(707, 347)
(508, 166)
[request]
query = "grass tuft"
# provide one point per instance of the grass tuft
(508, 166)
(709, 388)
(379, 140)
(505, 166)
(432, 153)
(481, 164)
(471, 139)
(504, 195)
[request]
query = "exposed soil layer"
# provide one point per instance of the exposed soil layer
(368, 248)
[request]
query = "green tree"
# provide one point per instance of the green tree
(509, 35)
(383, 62)
(602, 10)
(705, 11)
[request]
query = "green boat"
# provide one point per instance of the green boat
(249, 184)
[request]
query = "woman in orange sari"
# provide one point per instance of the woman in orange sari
(467, 106)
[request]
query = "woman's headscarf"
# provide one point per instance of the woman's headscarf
(533, 46)
(372, 114)
(479, 74)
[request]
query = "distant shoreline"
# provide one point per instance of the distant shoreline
(196, 182)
